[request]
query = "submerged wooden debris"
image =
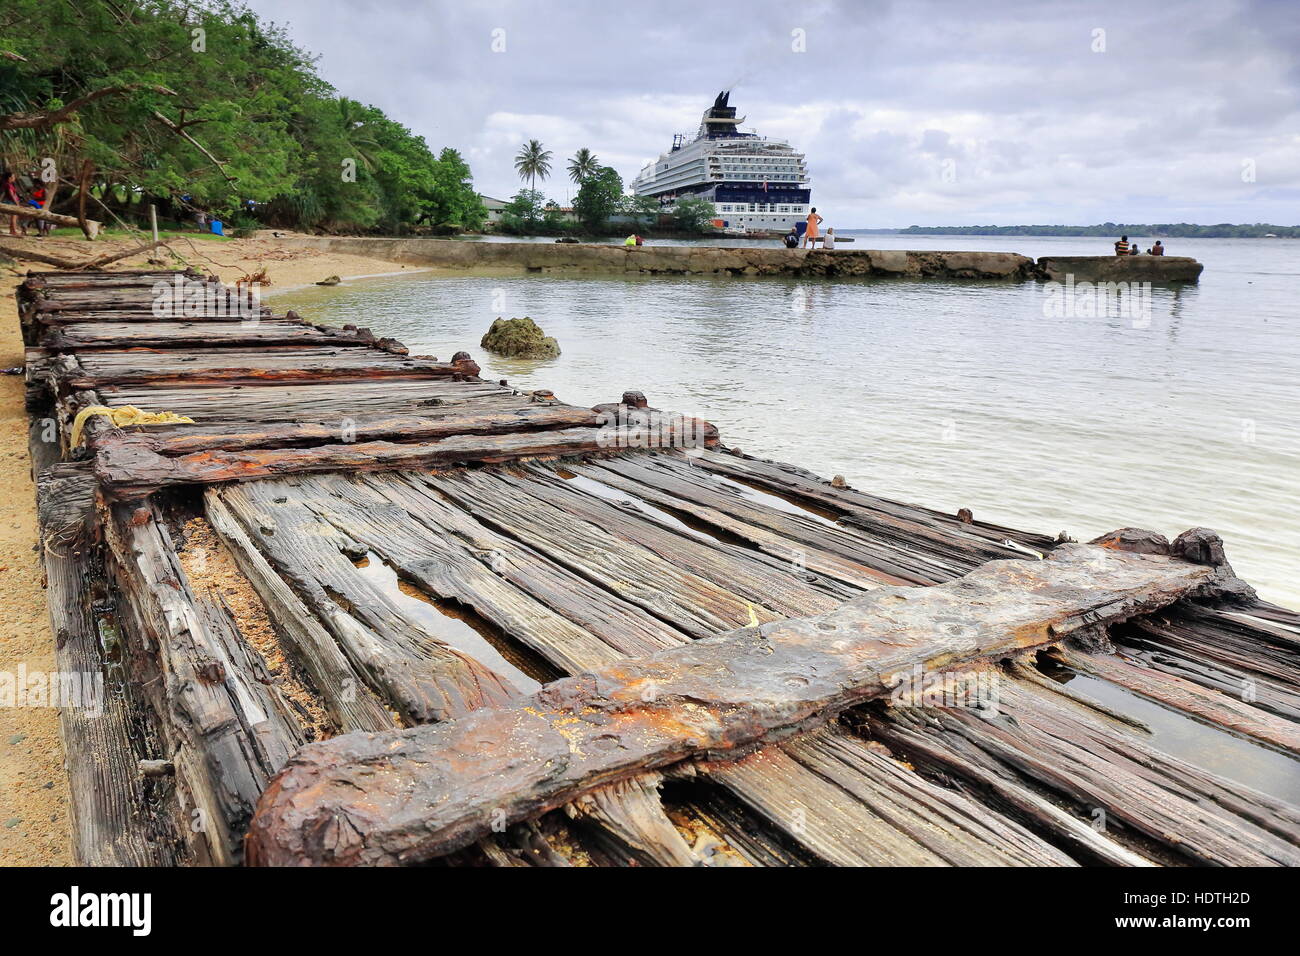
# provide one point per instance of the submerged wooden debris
(361, 602)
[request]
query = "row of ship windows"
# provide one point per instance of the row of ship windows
(758, 207)
(765, 177)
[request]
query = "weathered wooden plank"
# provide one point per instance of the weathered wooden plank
(635, 573)
(205, 369)
(773, 542)
(116, 819)
(187, 335)
(1060, 747)
(352, 705)
(1214, 707)
(446, 568)
(570, 622)
(969, 541)
(949, 824)
(373, 796)
(782, 587)
(420, 676)
(629, 815)
(130, 469)
(881, 814)
(91, 315)
(193, 440)
(675, 475)
(225, 735)
(950, 757)
(1235, 653)
(243, 406)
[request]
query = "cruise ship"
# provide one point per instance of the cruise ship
(758, 184)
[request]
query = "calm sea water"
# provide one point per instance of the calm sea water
(946, 394)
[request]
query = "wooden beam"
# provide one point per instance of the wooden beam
(410, 796)
(304, 372)
(130, 467)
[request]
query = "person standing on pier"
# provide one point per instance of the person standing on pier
(810, 235)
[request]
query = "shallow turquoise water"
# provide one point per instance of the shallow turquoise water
(947, 394)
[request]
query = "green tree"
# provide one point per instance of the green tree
(202, 104)
(644, 209)
(533, 161)
(583, 165)
(523, 212)
(455, 201)
(692, 214)
(599, 197)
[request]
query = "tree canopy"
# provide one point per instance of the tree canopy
(205, 106)
(599, 197)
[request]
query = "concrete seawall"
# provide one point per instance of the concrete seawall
(681, 260)
(746, 260)
(1156, 269)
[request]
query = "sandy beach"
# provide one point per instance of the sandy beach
(34, 828)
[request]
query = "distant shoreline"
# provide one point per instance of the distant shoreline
(1182, 230)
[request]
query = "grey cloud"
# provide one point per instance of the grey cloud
(1042, 127)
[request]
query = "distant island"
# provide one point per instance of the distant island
(1181, 230)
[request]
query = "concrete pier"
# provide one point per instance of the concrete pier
(577, 258)
(681, 260)
(1156, 269)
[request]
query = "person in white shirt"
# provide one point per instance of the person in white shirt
(829, 242)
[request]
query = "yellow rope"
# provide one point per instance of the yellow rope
(125, 415)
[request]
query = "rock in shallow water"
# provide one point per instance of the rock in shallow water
(520, 338)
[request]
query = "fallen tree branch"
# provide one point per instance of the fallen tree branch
(410, 796)
(114, 256)
(29, 212)
(73, 265)
(22, 252)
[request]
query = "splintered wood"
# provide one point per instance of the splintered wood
(370, 608)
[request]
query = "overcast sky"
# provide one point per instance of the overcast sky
(930, 113)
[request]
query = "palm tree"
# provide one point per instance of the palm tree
(353, 116)
(583, 165)
(533, 161)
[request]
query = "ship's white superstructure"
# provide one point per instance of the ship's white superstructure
(755, 182)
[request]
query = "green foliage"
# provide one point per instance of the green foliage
(1181, 230)
(599, 197)
(643, 209)
(522, 213)
(693, 215)
(583, 165)
(533, 161)
(244, 92)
